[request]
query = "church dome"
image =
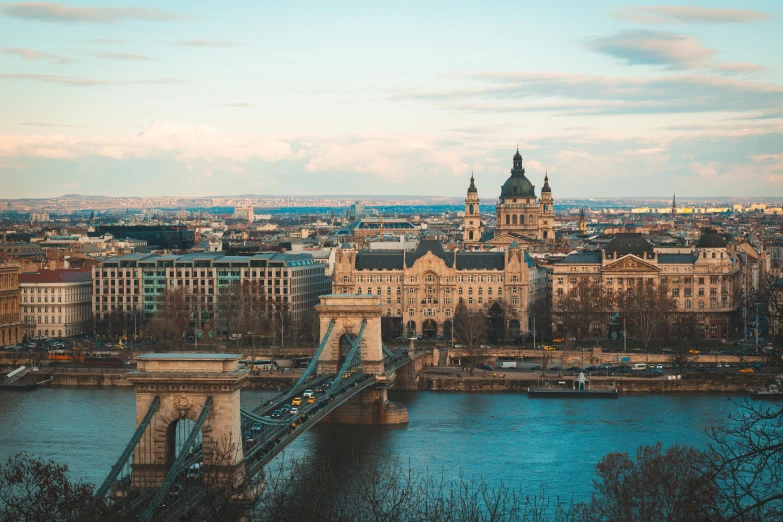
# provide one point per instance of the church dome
(517, 186)
(546, 187)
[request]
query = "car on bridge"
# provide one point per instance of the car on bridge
(311, 399)
(277, 414)
(285, 408)
(308, 393)
(294, 412)
(297, 401)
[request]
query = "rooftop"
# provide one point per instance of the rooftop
(186, 356)
(60, 275)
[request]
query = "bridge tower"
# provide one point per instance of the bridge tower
(349, 311)
(189, 388)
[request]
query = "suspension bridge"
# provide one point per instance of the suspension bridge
(196, 449)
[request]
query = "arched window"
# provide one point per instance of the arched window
(713, 255)
(521, 220)
(471, 208)
(514, 219)
(687, 304)
(508, 219)
(359, 290)
(546, 208)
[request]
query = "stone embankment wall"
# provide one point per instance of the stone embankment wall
(699, 384)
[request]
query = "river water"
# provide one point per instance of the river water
(527, 443)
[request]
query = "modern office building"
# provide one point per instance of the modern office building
(137, 282)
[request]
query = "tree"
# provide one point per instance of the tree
(497, 321)
(747, 458)
(672, 485)
(647, 307)
(170, 321)
(33, 490)
(584, 305)
(683, 332)
(470, 330)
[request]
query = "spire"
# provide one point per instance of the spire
(472, 187)
(546, 188)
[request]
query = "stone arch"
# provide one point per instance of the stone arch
(346, 345)
(410, 328)
(429, 329)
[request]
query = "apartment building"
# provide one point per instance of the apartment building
(138, 281)
(11, 331)
(56, 303)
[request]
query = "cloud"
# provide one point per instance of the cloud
(666, 49)
(31, 54)
(41, 124)
(238, 104)
(124, 57)
(104, 40)
(161, 138)
(59, 13)
(688, 14)
(644, 47)
(570, 94)
(208, 43)
(76, 81)
(391, 158)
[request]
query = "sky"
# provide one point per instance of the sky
(197, 98)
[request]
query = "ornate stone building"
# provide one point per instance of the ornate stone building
(707, 281)
(472, 225)
(420, 290)
(11, 331)
(520, 215)
(57, 303)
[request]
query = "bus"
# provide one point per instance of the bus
(263, 365)
(102, 359)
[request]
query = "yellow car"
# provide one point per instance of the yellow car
(746, 370)
(310, 400)
(297, 401)
(695, 352)
(346, 375)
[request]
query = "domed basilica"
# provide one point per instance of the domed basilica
(521, 216)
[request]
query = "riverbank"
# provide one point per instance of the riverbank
(444, 381)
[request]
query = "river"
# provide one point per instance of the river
(523, 442)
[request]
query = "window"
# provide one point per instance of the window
(701, 305)
(560, 280)
(447, 311)
(675, 292)
(411, 312)
(701, 291)
(701, 280)
(687, 304)
(470, 300)
(713, 280)
(713, 328)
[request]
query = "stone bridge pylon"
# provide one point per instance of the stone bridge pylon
(348, 311)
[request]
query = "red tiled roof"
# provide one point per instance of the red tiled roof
(60, 275)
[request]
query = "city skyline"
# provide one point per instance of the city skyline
(613, 100)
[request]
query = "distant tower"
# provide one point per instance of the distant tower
(547, 219)
(471, 236)
(674, 204)
(582, 221)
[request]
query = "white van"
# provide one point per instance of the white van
(640, 367)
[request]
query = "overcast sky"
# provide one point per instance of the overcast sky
(199, 98)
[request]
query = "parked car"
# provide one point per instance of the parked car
(536, 368)
(746, 370)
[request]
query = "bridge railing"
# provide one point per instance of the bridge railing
(119, 478)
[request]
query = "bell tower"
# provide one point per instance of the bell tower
(473, 228)
(547, 219)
